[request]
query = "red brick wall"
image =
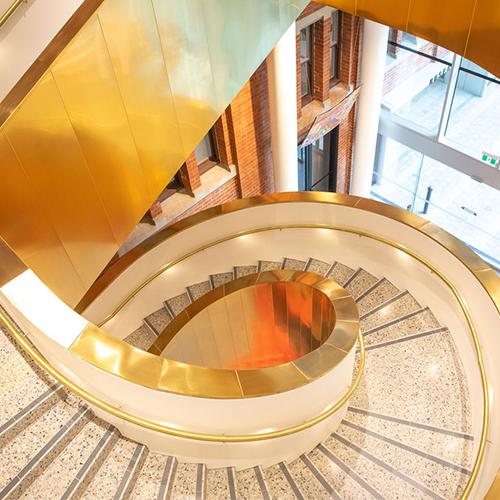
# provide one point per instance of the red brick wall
(310, 9)
(190, 175)
(322, 29)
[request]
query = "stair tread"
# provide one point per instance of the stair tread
(293, 264)
(185, 482)
(318, 267)
(268, 265)
(197, 290)
(442, 480)
(148, 483)
(159, 319)
(247, 484)
(218, 484)
(240, 271)
(279, 487)
(340, 273)
(142, 338)
(178, 303)
(221, 278)
(363, 281)
(382, 293)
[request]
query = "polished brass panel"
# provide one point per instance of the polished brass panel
(239, 333)
(228, 47)
(344, 5)
(46, 145)
(305, 321)
(394, 14)
(454, 22)
(317, 362)
(294, 302)
(276, 379)
(483, 45)
(86, 81)
(114, 356)
(11, 266)
(168, 333)
(185, 49)
(27, 230)
(135, 51)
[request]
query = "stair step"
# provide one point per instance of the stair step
(247, 485)
(318, 267)
(220, 484)
(198, 290)
(293, 264)
(360, 281)
(279, 486)
(30, 453)
(150, 480)
(177, 304)
(421, 320)
(168, 478)
(340, 273)
(142, 338)
(158, 320)
(108, 479)
(221, 278)
(268, 265)
(440, 479)
(380, 292)
(397, 307)
(185, 482)
(399, 379)
(240, 271)
(453, 446)
(62, 471)
(134, 468)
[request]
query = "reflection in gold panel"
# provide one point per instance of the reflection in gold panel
(41, 134)
(85, 78)
(26, 229)
(484, 43)
(134, 46)
(454, 22)
(393, 14)
(227, 43)
(184, 42)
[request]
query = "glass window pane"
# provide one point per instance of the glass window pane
(320, 161)
(305, 42)
(467, 209)
(473, 122)
(204, 149)
(415, 86)
(334, 34)
(305, 78)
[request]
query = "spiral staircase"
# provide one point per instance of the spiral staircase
(399, 438)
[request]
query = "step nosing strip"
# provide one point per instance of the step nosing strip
(262, 483)
(411, 423)
(165, 479)
(350, 472)
(385, 304)
(43, 452)
(169, 308)
(321, 479)
(31, 406)
(352, 277)
(395, 321)
(410, 449)
(231, 483)
(129, 472)
(371, 289)
(199, 481)
(291, 481)
(408, 338)
(392, 470)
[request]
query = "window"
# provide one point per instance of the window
(306, 64)
(206, 152)
(335, 48)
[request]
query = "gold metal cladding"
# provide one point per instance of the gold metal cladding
(482, 272)
(11, 266)
(214, 438)
(268, 302)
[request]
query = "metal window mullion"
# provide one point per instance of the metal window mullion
(448, 99)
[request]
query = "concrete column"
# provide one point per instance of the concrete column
(282, 81)
(372, 79)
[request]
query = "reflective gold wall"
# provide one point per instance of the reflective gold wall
(103, 132)
(469, 28)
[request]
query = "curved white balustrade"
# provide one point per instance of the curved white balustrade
(373, 255)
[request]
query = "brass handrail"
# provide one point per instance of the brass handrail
(218, 438)
(10, 11)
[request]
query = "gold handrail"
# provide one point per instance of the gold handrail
(219, 438)
(10, 11)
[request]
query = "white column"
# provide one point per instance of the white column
(282, 82)
(372, 79)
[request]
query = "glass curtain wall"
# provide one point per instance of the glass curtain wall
(452, 101)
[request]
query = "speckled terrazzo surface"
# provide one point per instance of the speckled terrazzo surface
(406, 434)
